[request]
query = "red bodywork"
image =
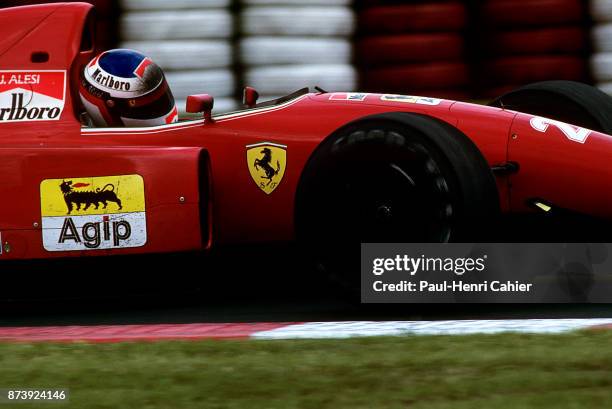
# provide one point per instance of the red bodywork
(197, 184)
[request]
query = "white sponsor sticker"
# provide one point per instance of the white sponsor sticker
(31, 95)
(96, 232)
(411, 99)
(348, 96)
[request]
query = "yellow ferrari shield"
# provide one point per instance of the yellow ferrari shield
(266, 162)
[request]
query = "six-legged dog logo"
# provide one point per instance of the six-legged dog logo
(267, 162)
(93, 213)
(84, 199)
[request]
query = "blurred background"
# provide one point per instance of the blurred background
(469, 50)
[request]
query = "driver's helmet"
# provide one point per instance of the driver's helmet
(125, 88)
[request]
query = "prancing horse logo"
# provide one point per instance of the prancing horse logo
(266, 162)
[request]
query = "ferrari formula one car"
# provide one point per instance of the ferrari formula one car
(325, 168)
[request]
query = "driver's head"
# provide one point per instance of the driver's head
(125, 88)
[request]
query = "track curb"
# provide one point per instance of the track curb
(293, 330)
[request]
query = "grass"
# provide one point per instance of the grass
(478, 371)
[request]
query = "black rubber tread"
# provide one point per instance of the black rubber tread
(567, 101)
(452, 156)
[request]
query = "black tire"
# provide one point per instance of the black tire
(396, 177)
(566, 101)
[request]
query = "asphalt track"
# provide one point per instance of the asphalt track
(261, 284)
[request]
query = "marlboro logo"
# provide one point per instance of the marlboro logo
(32, 95)
(18, 112)
(109, 81)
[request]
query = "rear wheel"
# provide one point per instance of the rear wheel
(392, 178)
(566, 101)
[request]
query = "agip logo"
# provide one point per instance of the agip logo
(266, 162)
(93, 213)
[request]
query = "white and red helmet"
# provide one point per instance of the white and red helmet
(125, 88)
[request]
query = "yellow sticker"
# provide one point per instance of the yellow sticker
(92, 195)
(93, 213)
(266, 162)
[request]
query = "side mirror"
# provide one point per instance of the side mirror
(250, 97)
(201, 103)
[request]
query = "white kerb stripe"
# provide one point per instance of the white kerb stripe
(395, 328)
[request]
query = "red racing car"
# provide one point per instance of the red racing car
(329, 169)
